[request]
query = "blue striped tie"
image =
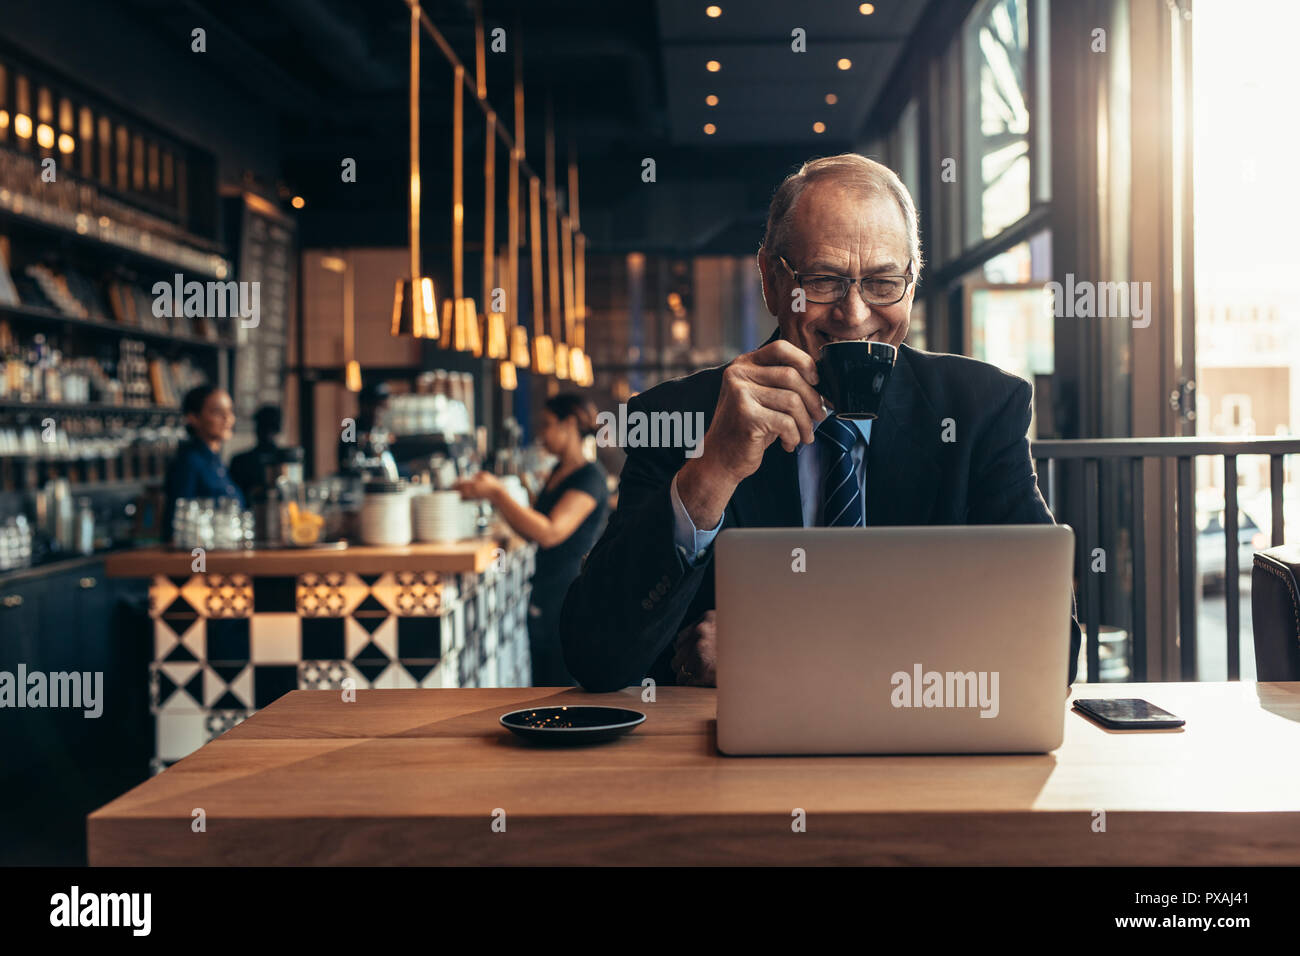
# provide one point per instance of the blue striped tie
(841, 496)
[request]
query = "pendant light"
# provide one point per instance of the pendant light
(543, 349)
(587, 378)
(519, 354)
(413, 301)
(458, 336)
(553, 251)
(496, 346)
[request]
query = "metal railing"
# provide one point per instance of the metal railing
(1136, 452)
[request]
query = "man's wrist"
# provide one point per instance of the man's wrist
(704, 491)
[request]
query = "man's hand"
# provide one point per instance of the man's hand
(766, 394)
(695, 661)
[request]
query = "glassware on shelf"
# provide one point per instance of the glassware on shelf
(15, 543)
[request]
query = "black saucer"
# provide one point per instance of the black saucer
(578, 724)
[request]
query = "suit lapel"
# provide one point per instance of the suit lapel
(902, 465)
(769, 498)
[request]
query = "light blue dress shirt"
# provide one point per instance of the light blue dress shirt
(813, 460)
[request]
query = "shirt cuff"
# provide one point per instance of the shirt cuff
(690, 541)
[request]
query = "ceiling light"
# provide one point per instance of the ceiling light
(713, 10)
(713, 66)
(45, 136)
(866, 9)
(298, 202)
(844, 63)
(710, 129)
(711, 99)
(819, 127)
(23, 126)
(831, 99)
(66, 143)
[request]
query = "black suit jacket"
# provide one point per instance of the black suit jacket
(635, 592)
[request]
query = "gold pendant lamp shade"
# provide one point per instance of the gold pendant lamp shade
(519, 353)
(543, 355)
(414, 312)
(577, 367)
(498, 345)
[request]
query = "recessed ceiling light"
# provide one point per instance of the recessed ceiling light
(716, 11)
(819, 127)
(831, 99)
(713, 66)
(711, 99)
(866, 9)
(709, 129)
(298, 202)
(844, 63)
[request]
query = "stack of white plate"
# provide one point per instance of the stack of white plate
(439, 516)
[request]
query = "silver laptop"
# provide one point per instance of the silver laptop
(893, 640)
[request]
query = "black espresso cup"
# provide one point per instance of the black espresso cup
(853, 375)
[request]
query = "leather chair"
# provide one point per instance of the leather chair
(1275, 612)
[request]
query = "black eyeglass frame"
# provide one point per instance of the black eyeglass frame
(801, 277)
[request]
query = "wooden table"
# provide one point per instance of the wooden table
(414, 777)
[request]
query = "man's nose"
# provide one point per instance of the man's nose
(852, 309)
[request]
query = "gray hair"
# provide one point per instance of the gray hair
(847, 169)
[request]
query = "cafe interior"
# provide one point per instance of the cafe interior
(304, 304)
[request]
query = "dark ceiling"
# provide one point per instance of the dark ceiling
(627, 81)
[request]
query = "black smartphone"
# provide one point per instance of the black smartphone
(1128, 713)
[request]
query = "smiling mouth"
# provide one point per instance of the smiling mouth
(824, 337)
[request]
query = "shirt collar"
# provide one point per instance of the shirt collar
(864, 426)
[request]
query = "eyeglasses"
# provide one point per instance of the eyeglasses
(875, 290)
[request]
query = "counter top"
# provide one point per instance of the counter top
(473, 555)
(416, 777)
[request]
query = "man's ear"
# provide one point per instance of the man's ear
(767, 273)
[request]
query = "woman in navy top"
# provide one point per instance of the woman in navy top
(197, 470)
(566, 518)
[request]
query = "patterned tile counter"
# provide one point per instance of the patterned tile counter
(228, 642)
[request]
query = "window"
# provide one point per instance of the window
(997, 117)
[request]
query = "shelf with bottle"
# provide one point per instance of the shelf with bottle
(122, 375)
(48, 318)
(129, 456)
(44, 286)
(61, 520)
(82, 213)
